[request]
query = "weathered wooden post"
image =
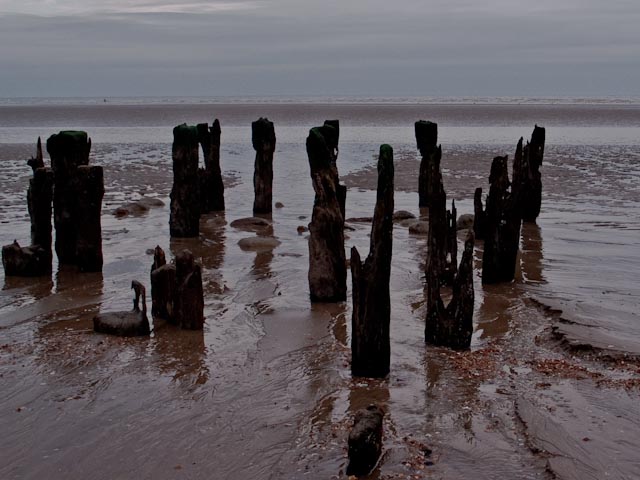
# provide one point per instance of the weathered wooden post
(365, 441)
(427, 139)
(210, 177)
(327, 265)
(163, 287)
(452, 326)
(90, 190)
(332, 144)
(503, 220)
(68, 150)
(527, 179)
(189, 299)
(479, 221)
(184, 219)
(370, 344)
(441, 237)
(263, 137)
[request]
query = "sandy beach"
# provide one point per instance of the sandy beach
(549, 389)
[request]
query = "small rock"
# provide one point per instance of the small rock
(251, 224)
(419, 227)
(402, 215)
(138, 207)
(258, 243)
(301, 229)
(464, 222)
(279, 205)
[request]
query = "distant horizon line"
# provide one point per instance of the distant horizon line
(322, 99)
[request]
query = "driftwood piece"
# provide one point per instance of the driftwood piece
(189, 298)
(503, 220)
(452, 326)
(126, 324)
(479, 220)
(210, 177)
(263, 137)
(332, 144)
(90, 190)
(427, 139)
(527, 179)
(327, 265)
(68, 150)
(365, 441)
(163, 287)
(370, 344)
(184, 219)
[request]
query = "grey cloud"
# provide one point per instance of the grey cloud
(374, 47)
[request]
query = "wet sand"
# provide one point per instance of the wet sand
(265, 391)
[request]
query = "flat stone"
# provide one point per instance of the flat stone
(419, 227)
(257, 244)
(138, 207)
(402, 215)
(251, 224)
(123, 324)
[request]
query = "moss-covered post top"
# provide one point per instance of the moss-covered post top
(185, 134)
(263, 134)
(68, 140)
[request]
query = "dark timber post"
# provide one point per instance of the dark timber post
(527, 179)
(327, 266)
(211, 185)
(184, 219)
(503, 220)
(479, 221)
(189, 302)
(370, 345)
(332, 144)
(452, 326)
(263, 137)
(36, 259)
(90, 190)
(163, 287)
(427, 139)
(68, 150)
(365, 441)
(39, 198)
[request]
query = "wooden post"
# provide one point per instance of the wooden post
(427, 139)
(365, 441)
(189, 300)
(68, 150)
(479, 221)
(327, 265)
(263, 137)
(210, 177)
(332, 144)
(90, 190)
(163, 287)
(184, 219)
(452, 326)
(503, 220)
(370, 344)
(527, 179)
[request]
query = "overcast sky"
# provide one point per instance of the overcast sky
(334, 47)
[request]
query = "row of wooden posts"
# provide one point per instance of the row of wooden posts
(75, 190)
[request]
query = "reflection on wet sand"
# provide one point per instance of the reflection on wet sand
(532, 254)
(181, 355)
